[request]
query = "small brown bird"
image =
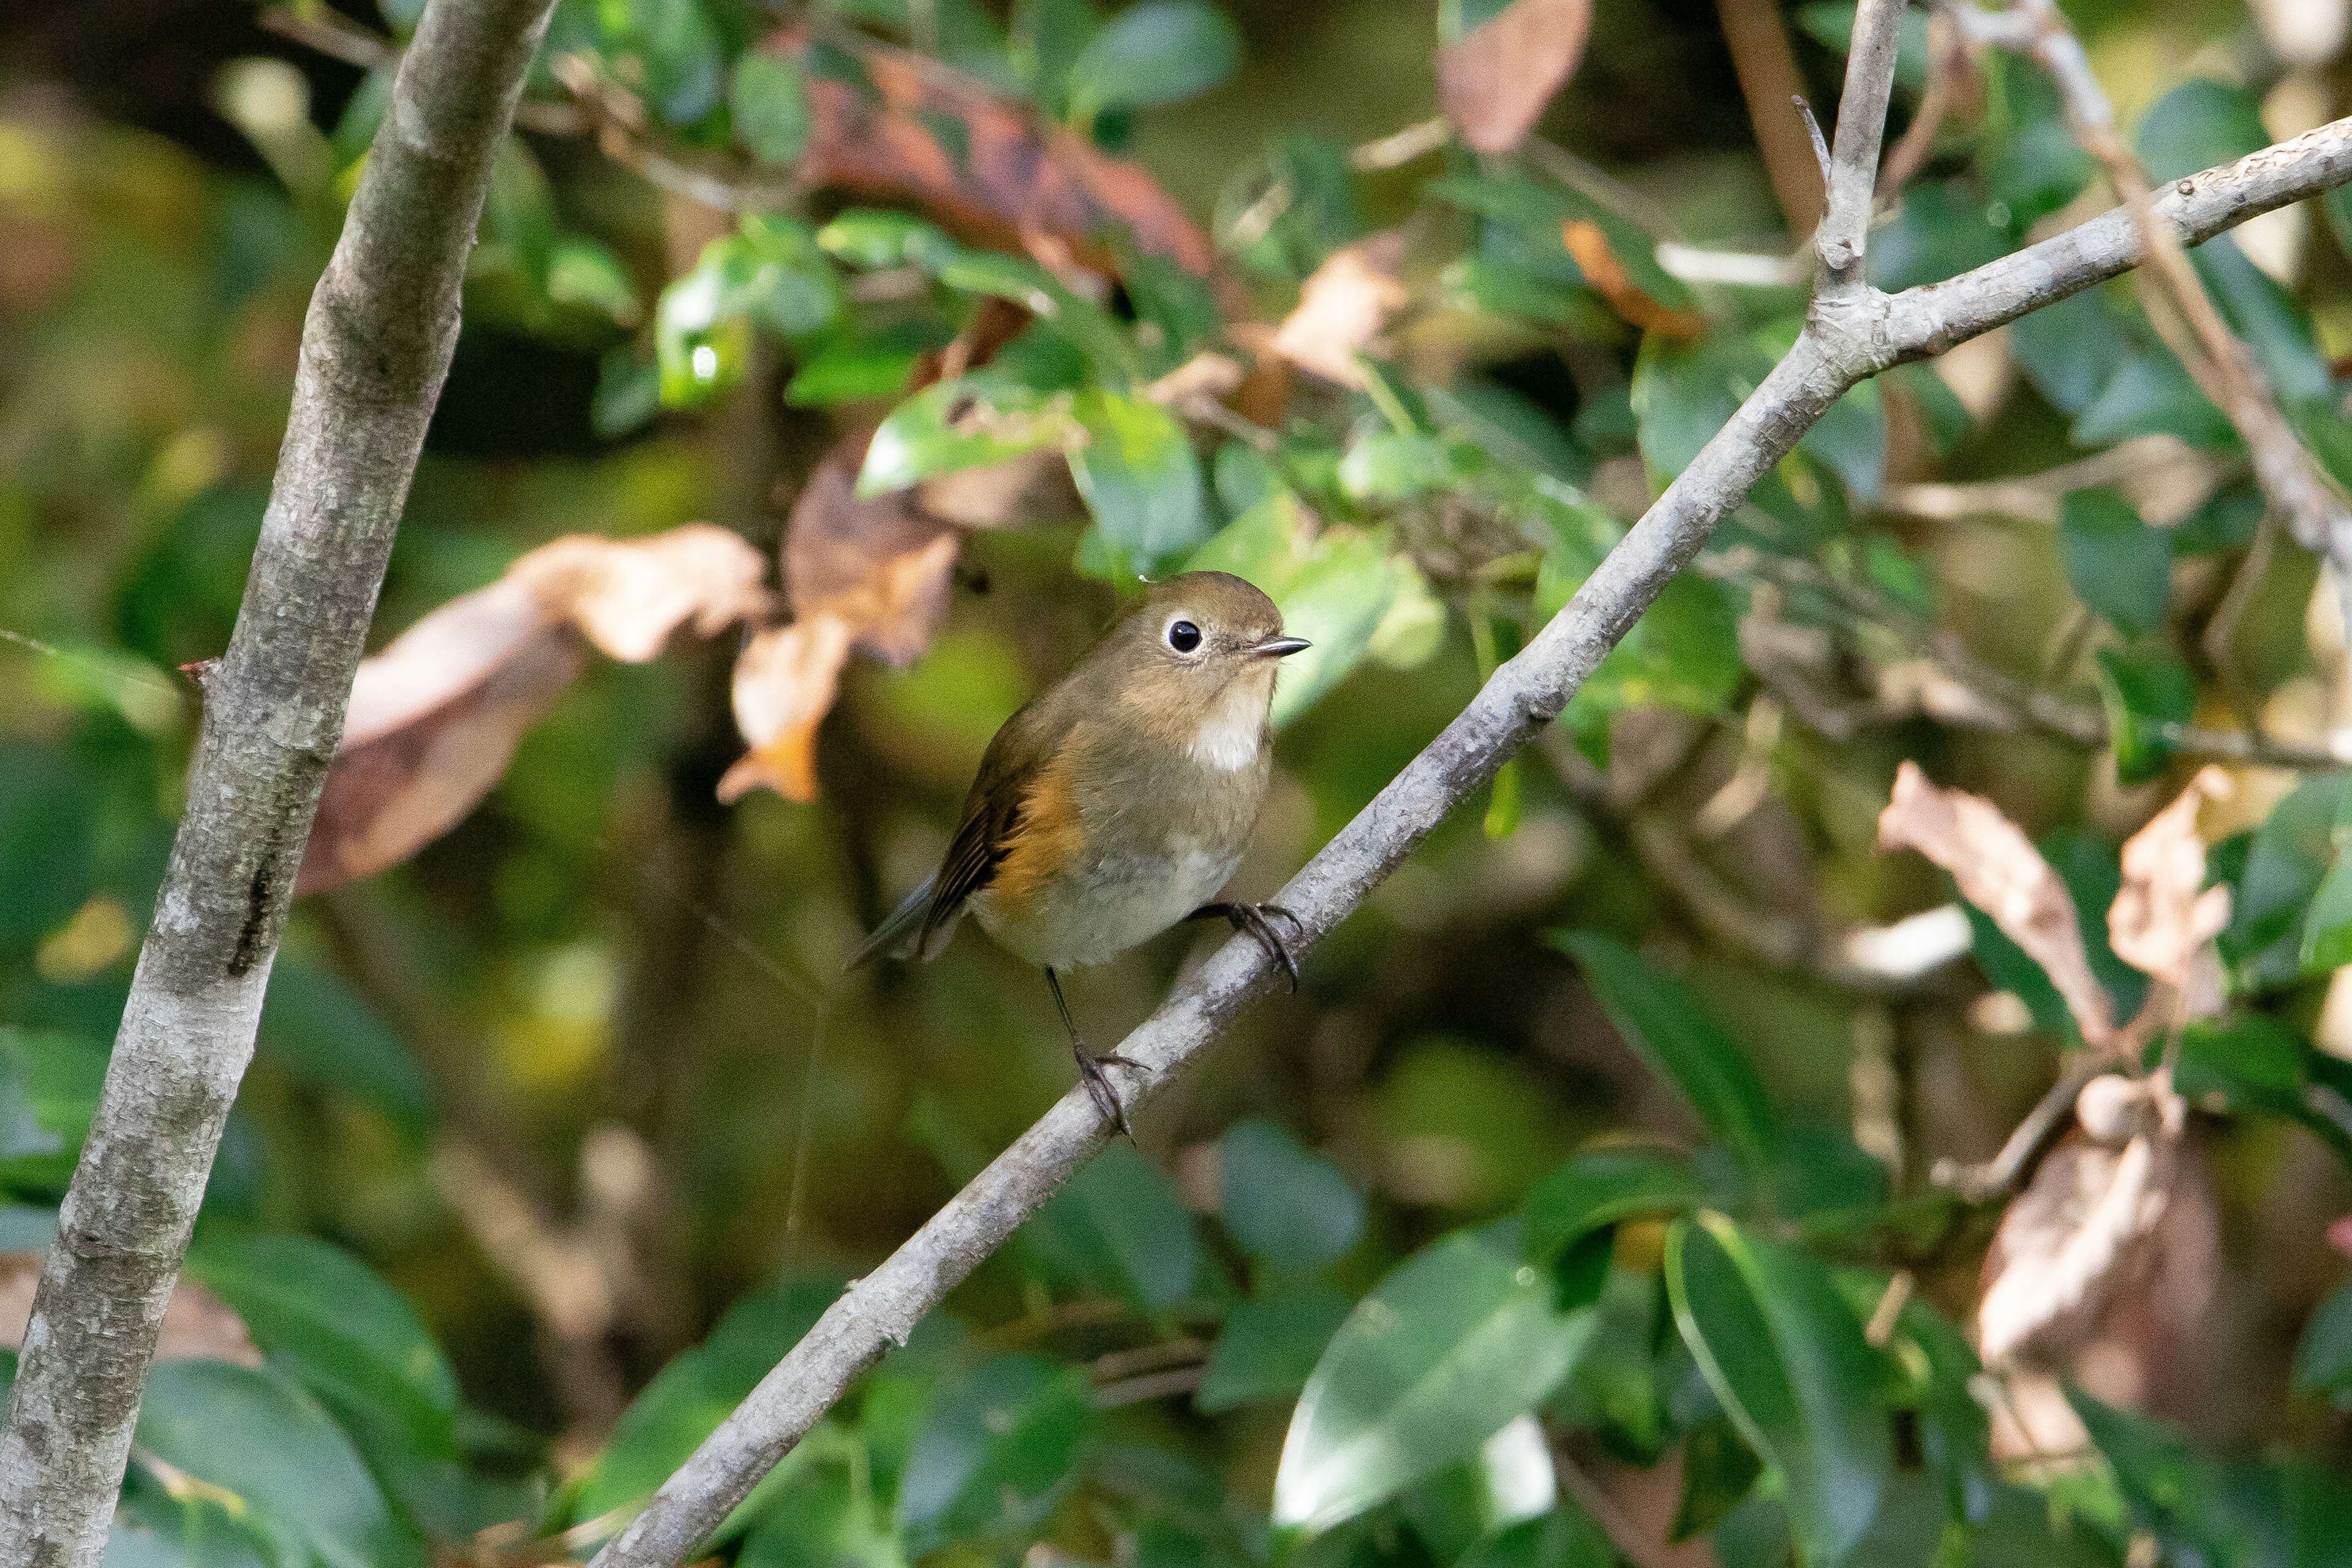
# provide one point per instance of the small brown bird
(1116, 804)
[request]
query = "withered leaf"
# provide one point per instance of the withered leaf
(436, 716)
(891, 124)
(1342, 308)
(1999, 871)
(784, 686)
(1589, 247)
(1494, 80)
(2164, 914)
(197, 1325)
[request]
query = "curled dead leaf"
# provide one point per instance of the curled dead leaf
(784, 685)
(881, 566)
(904, 128)
(1590, 249)
(197, 1324)
(436, 716)
(1999, 871)
(1342, 308)
(1494, 79)
(2164, 915)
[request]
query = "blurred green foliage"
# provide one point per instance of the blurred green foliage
(1573, 1196)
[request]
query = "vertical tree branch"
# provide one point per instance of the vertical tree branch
(1858, 335)
(376, 348)
(1854, 153)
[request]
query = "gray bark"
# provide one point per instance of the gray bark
(376, 348)
(1854, 332)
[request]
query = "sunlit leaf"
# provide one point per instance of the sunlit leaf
(1134, 466)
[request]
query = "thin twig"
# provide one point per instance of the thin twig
(1852, 332)
(2009, 1170)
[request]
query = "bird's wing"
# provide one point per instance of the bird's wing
(992, 814)
(894, 933)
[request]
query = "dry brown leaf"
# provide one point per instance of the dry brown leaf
(1494, 79)
(434, 718)
(197, 1325)
(1589, 247)
(784, 686)
(2000, 871)
(2164, 914)
(1001, 176)
(1343, 307)
(881, 566)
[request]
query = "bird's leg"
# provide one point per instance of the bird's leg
(1258, 920)
(1090, 1066)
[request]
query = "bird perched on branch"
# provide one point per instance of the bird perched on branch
(1116, 803)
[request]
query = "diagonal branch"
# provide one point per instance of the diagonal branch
(376, 348)
(1856, 336)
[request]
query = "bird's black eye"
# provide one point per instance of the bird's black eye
(1183, 636)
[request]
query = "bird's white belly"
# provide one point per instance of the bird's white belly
(1106, 908)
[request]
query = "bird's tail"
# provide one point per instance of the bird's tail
(895, 936)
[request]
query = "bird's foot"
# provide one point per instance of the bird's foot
(1258, 920)
(1099, 1084)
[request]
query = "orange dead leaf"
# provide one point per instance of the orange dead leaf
(996, 175)
(784, 686)
(434, 718)
(881, 566)
(1494, 79)
(2000, 871)
(2164, 914)
(197, 1324)
(1589, 247)
(1343, 307)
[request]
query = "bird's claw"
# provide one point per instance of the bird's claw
(1099, 1084)
(1258, 920)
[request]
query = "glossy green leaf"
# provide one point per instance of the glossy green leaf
(1134, 466)
(1719, 1469)
(1001, 1447)
(1597, 1187)
(2147, 693)
(1155, 51)
(1269, 1346)
(1336, 588)
(2327, 923)
(1120, 1227)
(2323, 1357)
(1287, 1206)
(968, 423)
(345, 1334)
(1458, 1341)
(770, 104)
(2289, 853)
(1786, 1358)
(2119, 566)
(2173, 1492)
(1565, 1538)
(1672, 1030)
(254, 1434)
(696, 1391)
(1509, 1482)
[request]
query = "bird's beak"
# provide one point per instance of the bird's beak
(1281, 648)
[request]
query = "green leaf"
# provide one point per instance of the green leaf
(2197, 126)
(964, 423)
(1719, 1469)
(324, 1033)
(1268, 1347)
(628, 393)
(1120, 1226)
(682, 53)
(1595, 1188)
(2327, 924)
(349, 1338)
(1787, 1360)
(53, 1082)
(1288, 1207)
(1154, 52)
(2323, 1357)
(822, 1514)
(1140, 478)
(688, 1398)
(2289, 856)
(1457, 1343)
(1508, 1482)
(1564, 1538)
(770, 104)
(2119, 566)
(1000, 1448)
(1665, 1023)
(583, 273)
(1047, 38)
(2173, 1492)
(2144, 691)
(255, 1435)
